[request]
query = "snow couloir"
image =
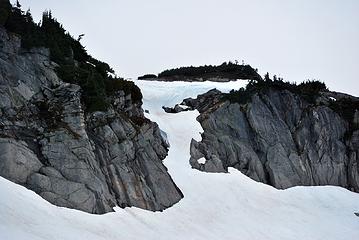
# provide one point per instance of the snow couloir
(215, 206)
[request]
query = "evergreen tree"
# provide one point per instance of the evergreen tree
(75, 65)
(5, 9)
(266, 77)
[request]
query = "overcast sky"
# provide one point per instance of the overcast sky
(296, 39)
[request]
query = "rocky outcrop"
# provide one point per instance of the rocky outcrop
(280, 139)
(91, 162)
(203, 102)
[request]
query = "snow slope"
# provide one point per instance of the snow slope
(215, 206)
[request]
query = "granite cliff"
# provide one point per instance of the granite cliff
(279, 137)
(91, 161)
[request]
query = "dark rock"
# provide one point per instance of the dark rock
(176, 109)
(202, 103)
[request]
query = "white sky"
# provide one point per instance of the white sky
(296, 39)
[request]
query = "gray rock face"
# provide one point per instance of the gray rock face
(18, 161)
(86, 162)
(279, 139)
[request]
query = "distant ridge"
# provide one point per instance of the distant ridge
(225, 72)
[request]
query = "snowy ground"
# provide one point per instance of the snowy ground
(215, 206)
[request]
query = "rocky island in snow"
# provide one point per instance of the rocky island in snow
(279, 133)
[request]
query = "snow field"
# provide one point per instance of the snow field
(215, 206)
